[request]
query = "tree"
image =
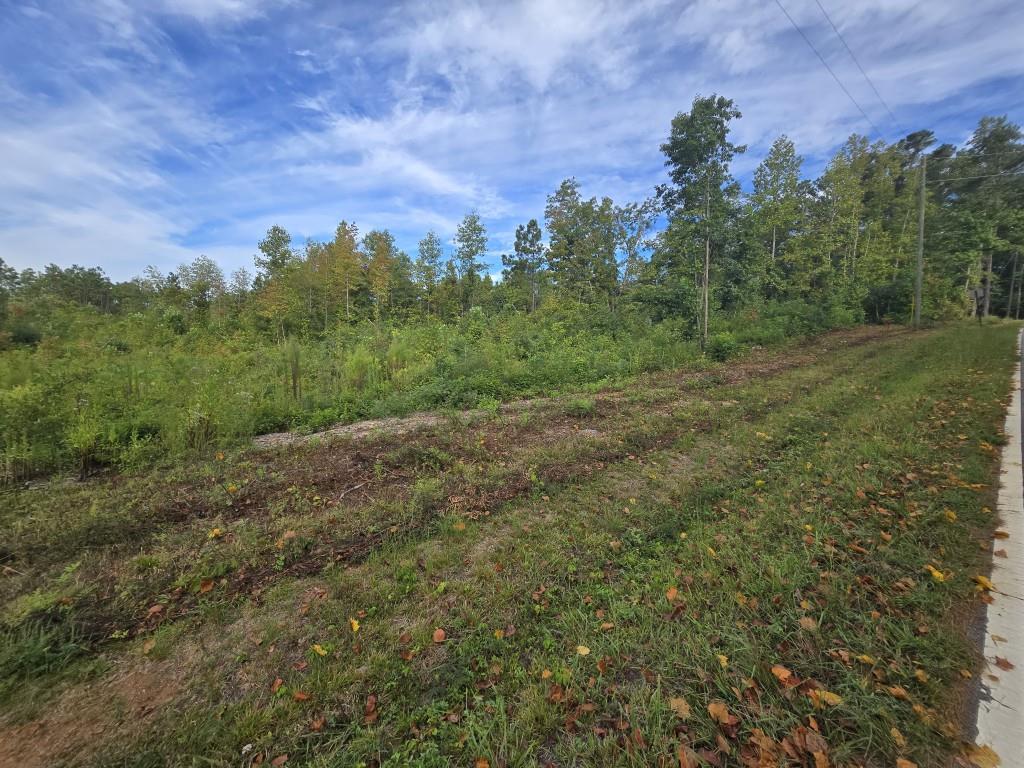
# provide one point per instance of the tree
(470, 246)
(203, 283)
(584, 236)
(527, 265)
(381, 253)
(427, 268)
(775, 204)
(348, 267)
(698, 153)
(275, 255)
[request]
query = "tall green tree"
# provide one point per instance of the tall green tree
(275, 255)
(470, 246)
(775, 208)
(428, 265)
(702, 191)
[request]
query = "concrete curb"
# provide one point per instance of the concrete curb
(1001, 705)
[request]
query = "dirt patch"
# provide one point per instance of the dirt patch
(84, 717)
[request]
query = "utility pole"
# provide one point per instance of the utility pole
(919, 273)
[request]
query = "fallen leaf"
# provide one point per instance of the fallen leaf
(898, 738)
(318, 724)
(459, 526)
(781, 673)
(149, 645)
(687, 757)
(582, 650)
(983, 757)
(439, 635)
(671, 593)
(723, 660)
(719, 711)
(680, 706)
(482, 762)
(300, 696)
(278, 761)
(1001, 534)
(205, 586)
(319, 650)
(278, 682)
(354, 624)
(806, 622)
(545, 674)
(984, 583)
(904, 763)
(1005, 664)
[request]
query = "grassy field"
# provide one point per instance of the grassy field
(770, 561)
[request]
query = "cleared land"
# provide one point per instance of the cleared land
(771, 561)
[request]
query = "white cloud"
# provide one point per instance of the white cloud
(407, 116)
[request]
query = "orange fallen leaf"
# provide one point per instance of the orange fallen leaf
(671, 593)
(300, 696)
(205, 586)
(719, 712)
(482, 762)
(904, 763)
(278, 761)
(439, 635)
(149, 645)
(318, 724)
(781, 673)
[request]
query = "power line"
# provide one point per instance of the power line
(857, 62)
(825, 64)
(966, 178)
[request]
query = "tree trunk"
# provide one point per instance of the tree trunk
(707, 258)
(773, 243)
(1013, 284)
(988, 284)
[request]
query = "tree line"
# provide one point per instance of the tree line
(699, 248)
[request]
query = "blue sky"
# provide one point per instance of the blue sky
(137, 132)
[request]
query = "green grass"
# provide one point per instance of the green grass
(788, 509)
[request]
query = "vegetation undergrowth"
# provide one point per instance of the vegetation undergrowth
(766, 567)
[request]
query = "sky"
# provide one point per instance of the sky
(148, 132)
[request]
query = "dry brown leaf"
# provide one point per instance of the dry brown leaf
(781, 673)
(806, 622)
(205, 586)
(278, 761)
(983, 757)
(687, 757)
(680, 706)
(439, 635)
(719, 711)
(1004, 664)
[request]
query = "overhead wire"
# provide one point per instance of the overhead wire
(856, 61)
(827, 67)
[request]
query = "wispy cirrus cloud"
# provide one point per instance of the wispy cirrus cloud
(152, 131)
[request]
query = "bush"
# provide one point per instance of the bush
(722, 346)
